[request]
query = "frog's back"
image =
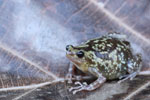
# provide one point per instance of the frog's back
(113, 55)
(107, 43)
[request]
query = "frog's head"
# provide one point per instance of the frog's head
(80, 56)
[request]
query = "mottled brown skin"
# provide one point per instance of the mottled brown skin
(109, 55)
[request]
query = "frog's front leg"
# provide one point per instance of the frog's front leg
(101, 79)
(71, 76)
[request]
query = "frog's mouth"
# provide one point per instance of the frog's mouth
(73, 59)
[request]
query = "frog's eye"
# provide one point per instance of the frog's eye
(80, 54)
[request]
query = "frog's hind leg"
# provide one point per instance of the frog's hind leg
(117, 35)
(133, 69)
(126, 77)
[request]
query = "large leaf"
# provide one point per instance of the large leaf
(33, 36)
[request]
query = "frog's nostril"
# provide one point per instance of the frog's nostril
(68, 47)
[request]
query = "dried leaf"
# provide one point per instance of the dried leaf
(33, 36)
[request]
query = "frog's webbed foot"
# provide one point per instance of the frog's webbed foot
(79, 88)
(126, 77)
